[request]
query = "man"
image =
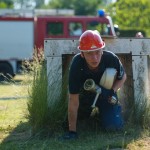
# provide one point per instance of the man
(94, 63)
(139, 35)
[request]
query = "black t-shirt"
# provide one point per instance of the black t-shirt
(79, 71)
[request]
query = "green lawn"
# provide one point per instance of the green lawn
(13, 90)
(12, 112)
(17, 88)
(15, 131)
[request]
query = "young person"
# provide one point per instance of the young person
(107, 72)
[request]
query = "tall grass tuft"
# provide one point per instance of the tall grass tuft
(140, 114)
(47, 104)
(37, 104)
(57, 102)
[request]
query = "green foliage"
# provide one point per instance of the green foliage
(131, 14)
(37, 105)
(6, 3)
(84, 7)
(140, 113)
(39, 3)
(28, 3)
(47, 104)
(57, 103)
(130, 33)
(3, 5)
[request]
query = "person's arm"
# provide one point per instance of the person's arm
(119, 83)
(73, 111)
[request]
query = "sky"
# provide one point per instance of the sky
(46, 1)
(18, 6)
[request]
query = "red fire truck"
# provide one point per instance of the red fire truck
(20, 35)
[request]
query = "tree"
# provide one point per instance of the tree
(131, 14)
(29, 3)
(84, 7)
(39, 3)
(23, 4)
(87, 7)
(6, 3)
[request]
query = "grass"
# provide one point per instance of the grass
(37, 104)
(12, 112)
(47, 106)
(16, 87)
(13, 108)
(15, 130)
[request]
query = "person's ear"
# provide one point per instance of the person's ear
(82, 55)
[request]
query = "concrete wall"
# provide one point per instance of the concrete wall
(133, 53)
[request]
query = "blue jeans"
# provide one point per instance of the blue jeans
(110, 115)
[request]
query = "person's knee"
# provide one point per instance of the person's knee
(114, 126)
(112, 119)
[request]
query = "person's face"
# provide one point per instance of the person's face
(92, 58)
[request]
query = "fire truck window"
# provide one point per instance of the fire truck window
(75, 29)
(95, 25)
(54, 28)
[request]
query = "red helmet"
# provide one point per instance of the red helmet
(90, 41)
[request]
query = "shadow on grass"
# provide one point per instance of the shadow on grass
(15, 137)
(21, 138)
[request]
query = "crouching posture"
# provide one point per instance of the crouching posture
(98, 71)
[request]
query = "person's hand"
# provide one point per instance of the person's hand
(70, 135)
(112, 99)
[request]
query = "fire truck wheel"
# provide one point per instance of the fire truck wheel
(6, 72)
